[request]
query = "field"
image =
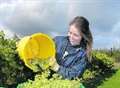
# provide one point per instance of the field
(113, 82)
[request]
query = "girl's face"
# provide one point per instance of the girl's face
(74, 35)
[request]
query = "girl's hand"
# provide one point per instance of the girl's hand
(54, 65)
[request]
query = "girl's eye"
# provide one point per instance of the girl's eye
(76, 35)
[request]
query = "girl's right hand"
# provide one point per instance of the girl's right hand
(54, 65)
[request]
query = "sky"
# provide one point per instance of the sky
(25, 17)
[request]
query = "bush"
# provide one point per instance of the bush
(100, 68)
(102, 61)
(12, 70)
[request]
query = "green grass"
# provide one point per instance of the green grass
(113, 82)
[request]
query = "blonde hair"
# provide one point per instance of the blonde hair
(82, 25)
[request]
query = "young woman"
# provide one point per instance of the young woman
(73, 51)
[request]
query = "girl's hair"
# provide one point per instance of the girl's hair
(82, 24)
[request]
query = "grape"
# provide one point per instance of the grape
(41, 81)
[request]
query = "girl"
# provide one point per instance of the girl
(73, 51)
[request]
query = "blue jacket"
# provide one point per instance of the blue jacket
(73, 63)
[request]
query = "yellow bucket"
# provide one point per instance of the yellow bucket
(39, 47)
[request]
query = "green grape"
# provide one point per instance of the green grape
(41, 81)
(38, 64)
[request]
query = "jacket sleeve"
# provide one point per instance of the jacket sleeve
(74, 71)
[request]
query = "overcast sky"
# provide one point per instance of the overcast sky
(52, 17)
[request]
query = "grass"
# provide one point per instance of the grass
(113, 82)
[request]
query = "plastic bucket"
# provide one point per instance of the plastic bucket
(36, 46)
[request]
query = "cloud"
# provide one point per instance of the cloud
(8, 33)
(33, 17)
(52, 17)
(116, 29)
